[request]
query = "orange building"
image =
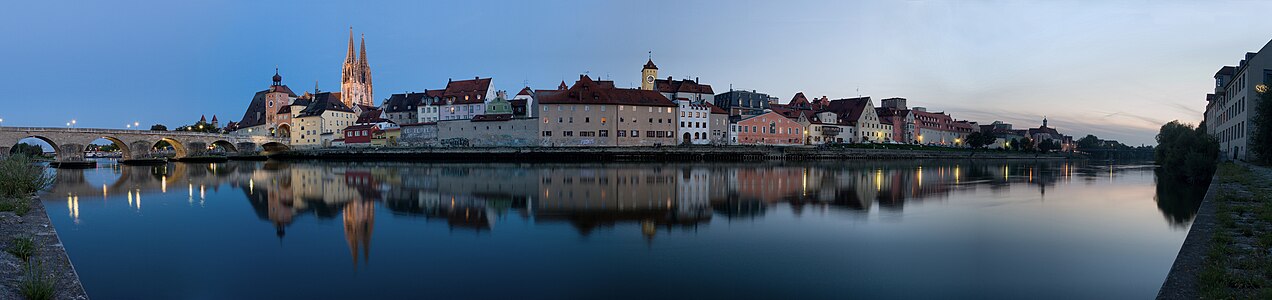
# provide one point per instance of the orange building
(769, 128)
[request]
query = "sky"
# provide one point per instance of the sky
(1116, 69)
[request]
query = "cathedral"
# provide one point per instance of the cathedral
(355, 84)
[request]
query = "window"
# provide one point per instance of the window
(603, 133)
(568, 133)
(621, 133)
(649, 133)
(635, 133)
(587, 119)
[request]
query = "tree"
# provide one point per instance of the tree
(1026, 144)
(1089, 142)
(1046, 146)
(1260, 127)
(976, 140)
(27, 149)
(158, 127)
(1014, 144)
(1186, 153)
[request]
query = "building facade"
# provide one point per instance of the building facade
(1230, 110)
(323, 118)
(769, 128)
(592, 113)
(464, 99)
(694, 122)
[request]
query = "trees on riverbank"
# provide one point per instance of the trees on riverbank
(1186, 153)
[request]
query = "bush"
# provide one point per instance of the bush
(1261, 127)
(1186, 153)
(36, 283)
(20, 176)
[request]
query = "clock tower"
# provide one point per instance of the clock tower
(648, 75)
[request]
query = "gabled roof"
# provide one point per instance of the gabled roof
(715, 109)
(404, 102)
(650, 64)
(681, 86)
(849, 110)
(371, 116)
(281, 89)
(475, 89)
(525, 92)
(586, 91)
(255, 114)
(799, 101)
(323, 102)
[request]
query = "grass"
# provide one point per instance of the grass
(14, 205)
(1237, 263)
(23, 247)
(37, 284)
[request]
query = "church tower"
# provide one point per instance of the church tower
(648, 75)
(355, 82)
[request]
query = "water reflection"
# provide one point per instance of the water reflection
(940, 218)
(472, 197)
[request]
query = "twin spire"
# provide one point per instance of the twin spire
(361, 58)
(355, 85)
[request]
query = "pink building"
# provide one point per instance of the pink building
(769, 128)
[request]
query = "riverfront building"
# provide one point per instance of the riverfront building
(322, 118)
(595, 113)
(769, 128)
(739, 102)
(1230, 109)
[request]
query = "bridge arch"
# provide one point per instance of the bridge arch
(229, 147)
(56, 151)
(125, 152)
(274, 147)
(283, 131)
(178, 148)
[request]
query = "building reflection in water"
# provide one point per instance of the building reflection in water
(644, 198)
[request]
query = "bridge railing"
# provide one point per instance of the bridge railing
(105, 131)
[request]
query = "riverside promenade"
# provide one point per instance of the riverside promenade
(638, 154)
(49, 255)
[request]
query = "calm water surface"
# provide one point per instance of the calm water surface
(915, 229)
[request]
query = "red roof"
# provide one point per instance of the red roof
(799, 100)
(474, 89)
(716, 109)
(524, 91)
(650, 64)
(681, 86)
(586, 91)
(849, 110)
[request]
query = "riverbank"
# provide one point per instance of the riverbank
(622, 154)
(48, 254)
(1228, 251)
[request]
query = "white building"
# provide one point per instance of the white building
(694, 121)
(1229, 110)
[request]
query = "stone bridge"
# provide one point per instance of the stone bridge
(69, 143)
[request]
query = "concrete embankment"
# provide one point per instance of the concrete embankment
(567, 154)
(1181, 282)
(49, 255)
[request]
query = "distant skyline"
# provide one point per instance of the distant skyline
(1116, 70)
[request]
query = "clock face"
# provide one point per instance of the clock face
(650, 79)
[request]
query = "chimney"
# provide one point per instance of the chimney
(695, 79)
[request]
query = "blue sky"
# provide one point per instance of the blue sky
(1118, 70)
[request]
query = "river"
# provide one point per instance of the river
(868, 229)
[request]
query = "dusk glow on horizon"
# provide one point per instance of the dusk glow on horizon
(1116, 70)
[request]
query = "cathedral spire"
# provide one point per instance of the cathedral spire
(349, 58)
(362, 54)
